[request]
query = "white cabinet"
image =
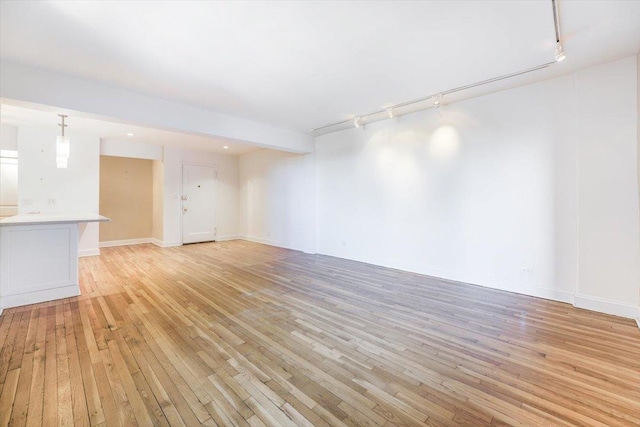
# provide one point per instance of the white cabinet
(39, 258)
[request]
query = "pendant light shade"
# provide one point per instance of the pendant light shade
(63, 148)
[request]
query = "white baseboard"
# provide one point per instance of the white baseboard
(127, 242)
(604, 305)
(142, 241)
(271, 242)
(8, 301)
(486, 282)
(227, 238)
(88, 252)
(156, 242)
(163, 244)
(581, 301)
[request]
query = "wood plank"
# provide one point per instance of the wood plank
(243, 334)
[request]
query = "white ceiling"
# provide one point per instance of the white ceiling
(44, 117)
(304, 64)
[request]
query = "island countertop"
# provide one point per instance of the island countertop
(32, 219)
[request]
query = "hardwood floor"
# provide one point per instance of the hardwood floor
(241, 334)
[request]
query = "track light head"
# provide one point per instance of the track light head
(391, 113)
(356, 121)
(437, 100)
(560, 55)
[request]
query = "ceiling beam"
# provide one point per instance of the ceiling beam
(31, 85)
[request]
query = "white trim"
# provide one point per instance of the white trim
(529, 289)
(156, 242)
(163, 244)
(127, 242)
(36, 297)
(226, 238)
(88, 252)
(268, 242)
(604, 305)
(597, 304)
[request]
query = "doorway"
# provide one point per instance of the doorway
(198, 203)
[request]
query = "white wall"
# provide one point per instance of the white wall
(44, 188)
(8, 137)
(532, 190)
(277, 199)
(609, 236)
(226, 193)
(638, 109)
(8, 171)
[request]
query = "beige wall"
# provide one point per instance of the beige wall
(158, 199)
(126, 196)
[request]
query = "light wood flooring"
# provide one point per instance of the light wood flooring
(242, 334)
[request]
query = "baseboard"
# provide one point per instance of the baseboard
(8, 301)
(127, 242)
(485, 282)
(163, 244)
(156, 242)
(88, 252)
(269, 242)
(227, 238)
(601, 305)
(604, 305)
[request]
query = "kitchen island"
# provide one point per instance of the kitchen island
(39, 257)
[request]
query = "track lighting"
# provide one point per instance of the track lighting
(560, 55)
(437, 100)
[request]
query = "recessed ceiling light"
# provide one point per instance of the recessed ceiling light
(226, 147)
(129, 134)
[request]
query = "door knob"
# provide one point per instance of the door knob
(184, 209)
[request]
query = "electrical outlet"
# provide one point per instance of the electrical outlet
(527, 270)
(27, 202)
(268, 234)
(51, 201)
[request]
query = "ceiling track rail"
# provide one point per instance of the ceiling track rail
(436, 97)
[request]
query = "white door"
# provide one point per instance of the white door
(198, 193)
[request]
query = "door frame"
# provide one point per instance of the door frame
(214, 166)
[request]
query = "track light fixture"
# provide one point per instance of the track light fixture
(435, 100)
(560, 55)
